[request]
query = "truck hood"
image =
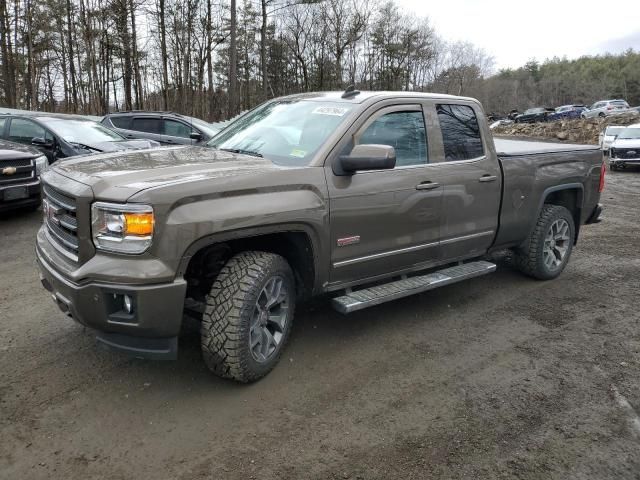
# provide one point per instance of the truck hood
(118, 176)
(626, 143)
(117, 146)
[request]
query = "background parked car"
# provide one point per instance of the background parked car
(60, 136)
(605, 108)
(625, 149)
(164, 127)
(567, 112)
(533, 115)
(608, 135)
(20, 169)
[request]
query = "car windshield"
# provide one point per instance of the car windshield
(287, 132)
(613, 130)
(629, 133)
(532, 111)
(80, 131)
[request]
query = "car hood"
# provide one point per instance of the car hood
(14, 151)
(118, 176)
(626, 143)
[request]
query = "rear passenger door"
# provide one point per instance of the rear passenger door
(141, 126)
(472, 182)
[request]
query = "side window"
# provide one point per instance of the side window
(3, 122)
(460, 132)
(404, 131)
(176, 129)
(24, 131)
(121, 122)
(146, 124)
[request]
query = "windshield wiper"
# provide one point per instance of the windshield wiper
(241, 151)
(86, 147)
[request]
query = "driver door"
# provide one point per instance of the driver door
(385, 221)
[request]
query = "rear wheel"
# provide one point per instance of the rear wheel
(601, 115)
(549, 246)
(248, 316)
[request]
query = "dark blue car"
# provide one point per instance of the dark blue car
(566, 112)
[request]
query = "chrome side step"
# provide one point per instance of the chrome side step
(368, 297)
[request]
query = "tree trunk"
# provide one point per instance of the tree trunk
(263, 50)
(163, 53)
(72, 68)
(233, 63)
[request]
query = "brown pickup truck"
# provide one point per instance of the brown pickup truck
(364, 197)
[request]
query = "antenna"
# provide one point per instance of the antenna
(350, 92)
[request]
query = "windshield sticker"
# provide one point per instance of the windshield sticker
(335, 111)
(298, 153)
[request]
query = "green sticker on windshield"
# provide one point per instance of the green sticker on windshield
(298, 153)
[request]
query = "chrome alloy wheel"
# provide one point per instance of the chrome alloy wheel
(269, 319)
(556, 244)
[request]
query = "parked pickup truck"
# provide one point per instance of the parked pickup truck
(20, 169)
(364, 197)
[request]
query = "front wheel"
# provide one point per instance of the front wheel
(548, 248)
(248, 316)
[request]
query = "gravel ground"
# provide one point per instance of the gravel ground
(501, 377)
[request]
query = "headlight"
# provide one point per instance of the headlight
(123, 228)
(41, 165)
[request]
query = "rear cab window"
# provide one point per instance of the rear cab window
(461, 136)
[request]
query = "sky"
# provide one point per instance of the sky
(514, 32)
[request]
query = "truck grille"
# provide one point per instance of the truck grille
(16, 171)
(625, 152)
(61, 221)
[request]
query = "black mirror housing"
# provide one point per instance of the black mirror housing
(41, 142)
(366, 157)
(195, 136)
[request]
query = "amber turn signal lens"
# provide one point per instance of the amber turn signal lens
(140, 224)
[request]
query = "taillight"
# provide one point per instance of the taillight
(603, 170)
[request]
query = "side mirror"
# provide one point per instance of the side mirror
(41, 142)
(197, 136)
(366, 157)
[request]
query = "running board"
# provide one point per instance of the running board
(368, 297)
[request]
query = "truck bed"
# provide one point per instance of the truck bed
(531, 170)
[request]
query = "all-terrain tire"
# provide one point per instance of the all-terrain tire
(226, 323)
(530, 258)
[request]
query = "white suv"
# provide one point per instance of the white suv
(625, 149)
(605, 108)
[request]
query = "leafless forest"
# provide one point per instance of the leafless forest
(212, 59)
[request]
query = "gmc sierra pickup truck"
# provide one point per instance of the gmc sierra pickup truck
(362, 197)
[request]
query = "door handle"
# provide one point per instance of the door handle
(487, 178)
(427, 185)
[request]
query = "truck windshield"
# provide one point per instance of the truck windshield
(631, 133)
(287, 132)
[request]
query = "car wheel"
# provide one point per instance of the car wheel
(248, 317)
(549, 246)
(601, 115)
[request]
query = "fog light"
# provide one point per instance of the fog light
(128, 304)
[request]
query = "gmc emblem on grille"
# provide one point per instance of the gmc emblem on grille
(51, 212)
(9, 170)
(631, 152)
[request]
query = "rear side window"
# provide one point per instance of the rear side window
(176, 129)
(120, 122)
(3, 121)
(460, 132)
(146, 124)
(404, 131)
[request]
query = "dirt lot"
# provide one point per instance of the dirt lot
(501, 377)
